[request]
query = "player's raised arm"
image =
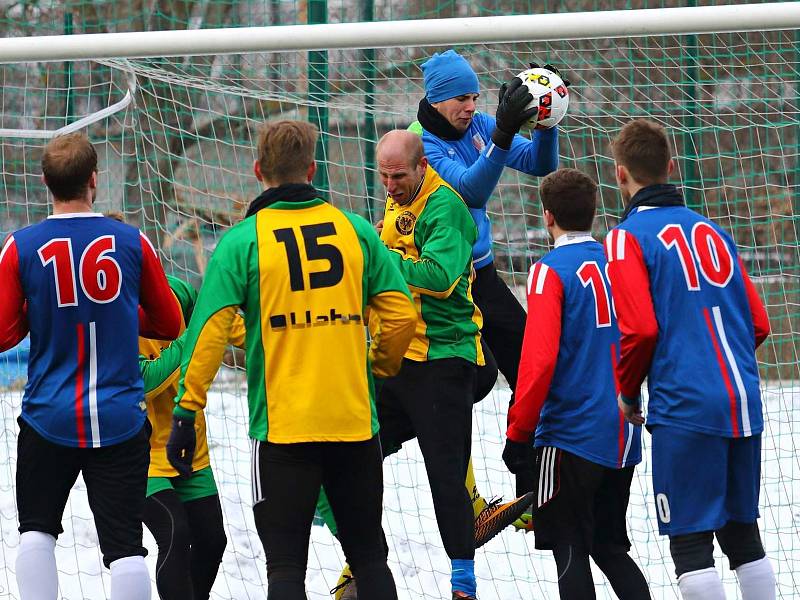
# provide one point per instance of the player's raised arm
(160, 316)
(13, 322)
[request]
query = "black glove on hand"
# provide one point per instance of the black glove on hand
(181, 443)
(552, 69)
(512, 112)
(518, 456)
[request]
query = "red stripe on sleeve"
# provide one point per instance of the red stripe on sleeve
(79, 387)
(724, 371)
(630, 288)
(757, 310)
(621, 444)
(13, 319)
(539, 352)
(159, 311)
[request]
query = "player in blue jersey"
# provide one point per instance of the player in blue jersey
(566, 394)
(84, 286)
(691, 321)
(470, 149)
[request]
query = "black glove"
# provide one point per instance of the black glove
(518, 456)
(512, 112)
(181, 443)
(552, 69)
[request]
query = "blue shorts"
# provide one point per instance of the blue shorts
(703, 481)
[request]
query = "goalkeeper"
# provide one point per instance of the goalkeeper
(183, 513)
(304, 273)
(469, 150)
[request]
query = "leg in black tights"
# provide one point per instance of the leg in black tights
(623, 574)
(611, 543)
(208, 543)
(574, 572)
(165, 517)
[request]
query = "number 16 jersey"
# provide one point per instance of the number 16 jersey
(79, 278)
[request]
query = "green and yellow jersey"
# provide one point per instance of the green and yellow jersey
(431, 240)
(160, 362)
(303, 272)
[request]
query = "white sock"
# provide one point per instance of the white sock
(757, 580)
(37, 577)
(130, 579)
(701, 585)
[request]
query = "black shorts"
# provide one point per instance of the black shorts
(116, 483)
(580, 502)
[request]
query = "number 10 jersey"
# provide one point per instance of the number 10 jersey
(690, 321)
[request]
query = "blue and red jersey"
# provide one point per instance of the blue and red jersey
(566, 391)
(84, 286)
(689, 316)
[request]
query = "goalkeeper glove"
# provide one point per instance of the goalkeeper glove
(552, 69)
(518, 456)
(182, 440)
(512, 112)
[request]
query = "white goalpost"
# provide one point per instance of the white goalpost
(174, 116)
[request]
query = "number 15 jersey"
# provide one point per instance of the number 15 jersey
(78, 281)
(690, 320)
(303, 272)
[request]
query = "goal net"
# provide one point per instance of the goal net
(176, 139)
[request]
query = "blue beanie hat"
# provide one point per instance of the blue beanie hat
(448, 75)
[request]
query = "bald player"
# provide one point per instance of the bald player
(430, 233)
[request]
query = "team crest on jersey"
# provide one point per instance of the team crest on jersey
(405, 222)
(478, 142)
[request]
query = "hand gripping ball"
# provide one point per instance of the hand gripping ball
(550, 97)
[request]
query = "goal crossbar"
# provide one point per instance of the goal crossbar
(420, 32)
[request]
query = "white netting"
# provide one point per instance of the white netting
(178, 161)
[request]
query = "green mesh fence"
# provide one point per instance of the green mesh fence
(177, 161)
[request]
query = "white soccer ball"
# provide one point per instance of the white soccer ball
(550, 97)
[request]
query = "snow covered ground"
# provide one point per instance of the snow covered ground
(508, 568)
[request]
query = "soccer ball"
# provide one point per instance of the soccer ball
(550, 97)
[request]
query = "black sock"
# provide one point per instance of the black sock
(284, 589)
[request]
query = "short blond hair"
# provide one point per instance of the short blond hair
(68, 162)
(286, 150)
